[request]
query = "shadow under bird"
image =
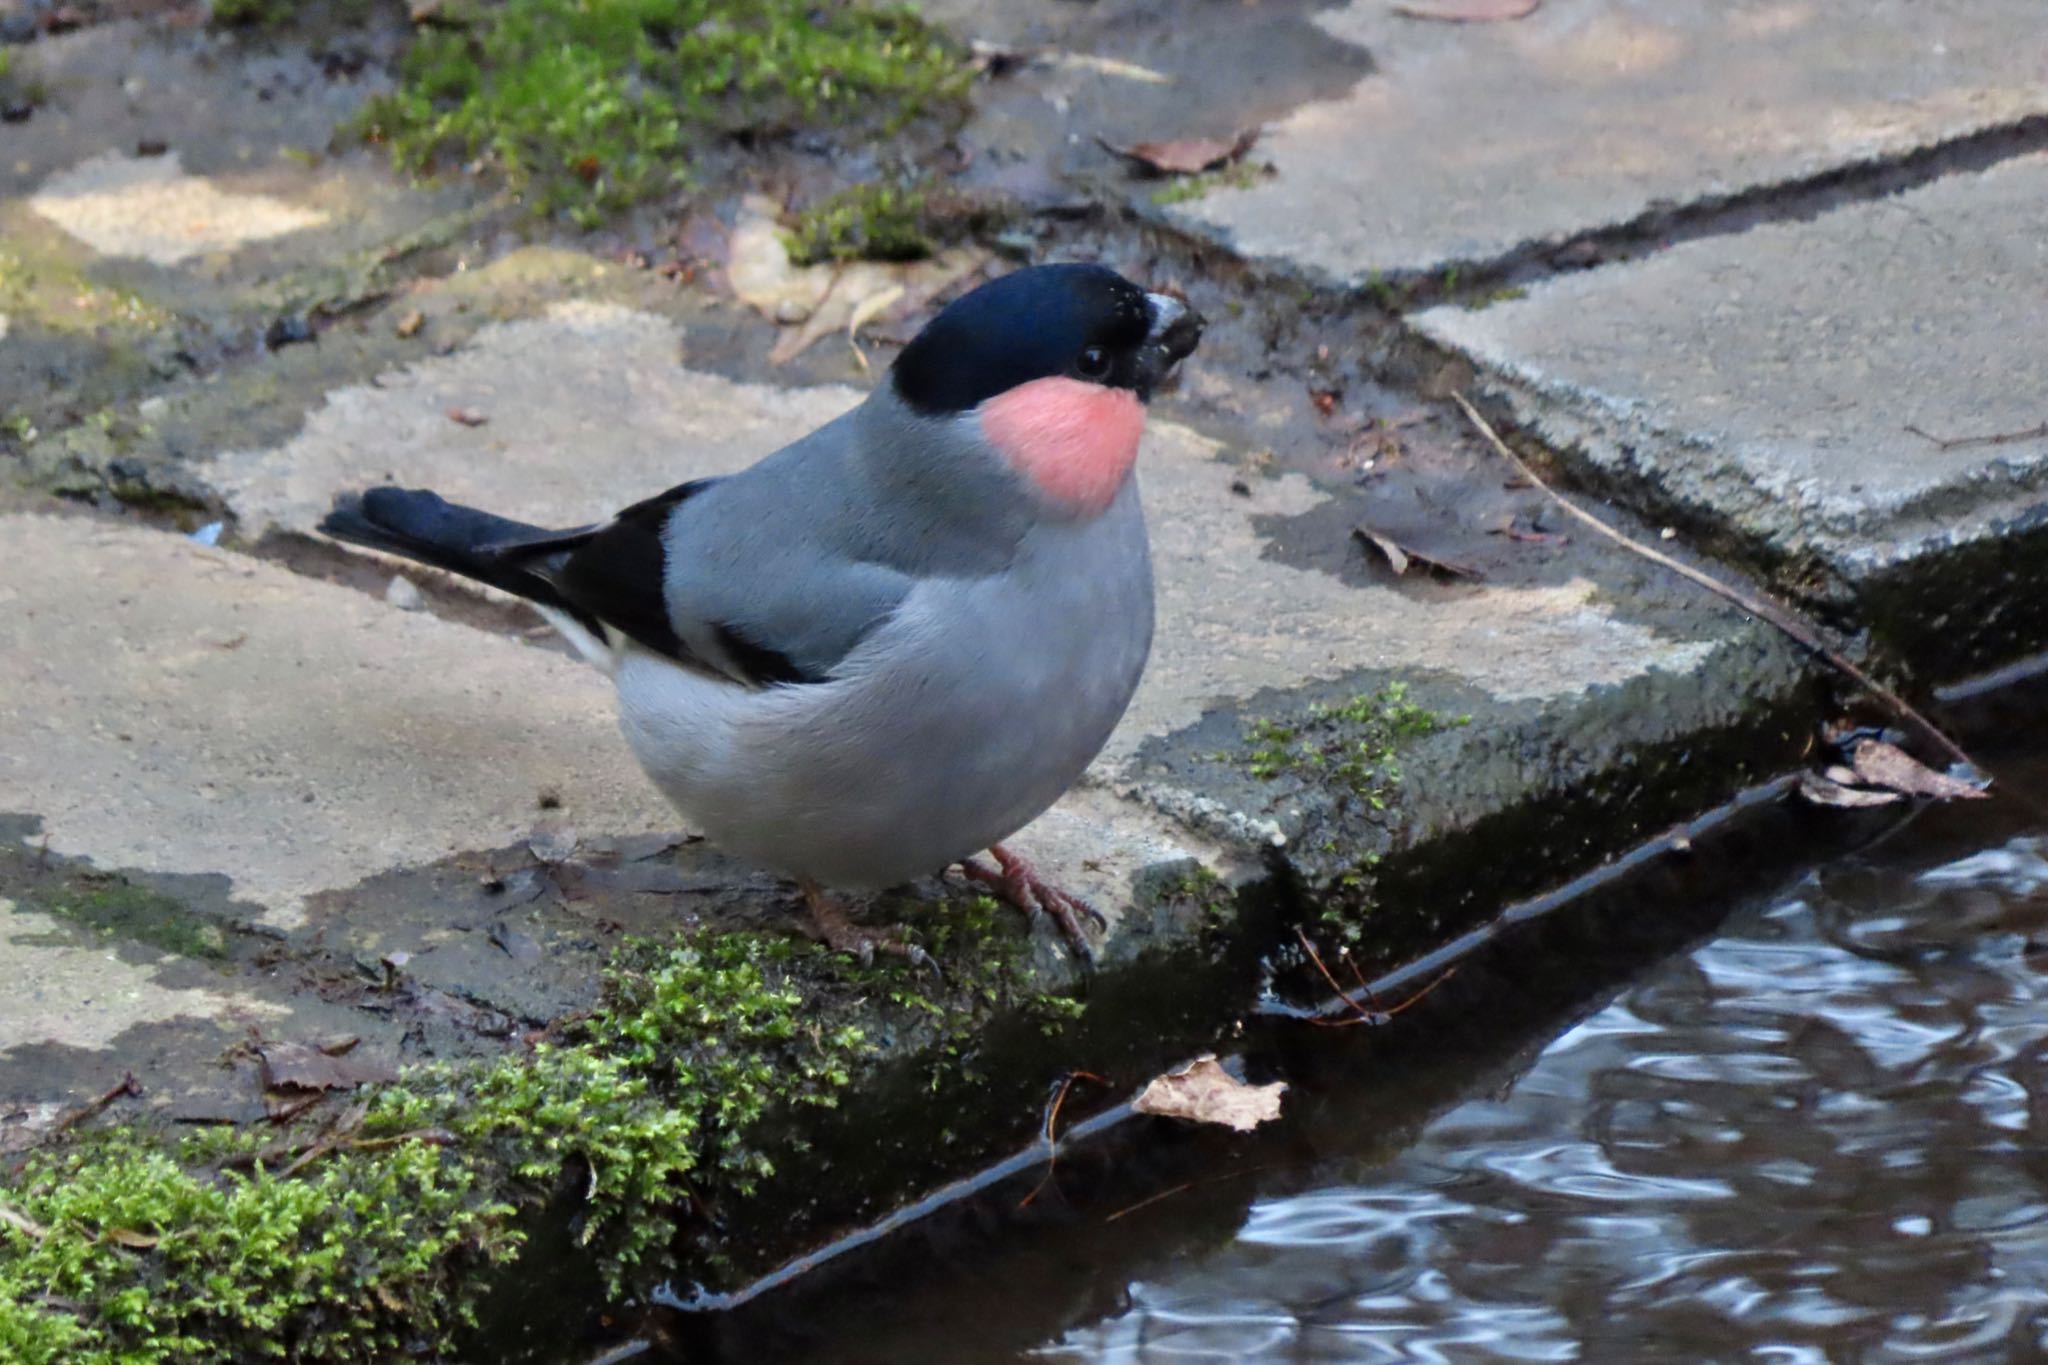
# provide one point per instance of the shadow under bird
(897, 640)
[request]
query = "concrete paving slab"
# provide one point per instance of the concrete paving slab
(86, 995)
(1772, 382)
(178, 709)
(1469, 141)
(149, 207)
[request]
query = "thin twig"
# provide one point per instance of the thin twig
(128, 1086)
(1052, 1118)
(1766, 610)
(1150, 1200)
(1313, 956)
(434, 1137)
(22, 1223)
(2003, 438)
(1361, 1015)
(1184, 1187)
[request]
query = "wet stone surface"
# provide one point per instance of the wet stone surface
(1853, 395)
(257, 788)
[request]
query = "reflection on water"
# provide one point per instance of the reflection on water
(1819, 1136)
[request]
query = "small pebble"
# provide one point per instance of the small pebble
(402, 593)
(1668, 533)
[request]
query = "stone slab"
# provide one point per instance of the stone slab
(1472, 140)
(1767, 381)
(86, 996)
(178, 709)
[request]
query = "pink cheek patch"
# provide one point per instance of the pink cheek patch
(1076, 441)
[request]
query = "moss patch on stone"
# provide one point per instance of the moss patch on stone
(587, 106)
(364, 1239)
(1242, 175)
(374, 1228)
(864, 222)
(118, 909)
(1354, 745)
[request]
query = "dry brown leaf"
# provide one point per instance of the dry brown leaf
(1400, 556)
(300, 1066)
(1184, 155)
(409, 325)
(468, 417)
(1825, 791)
(1884, 765)
(1397, 558)
(1468, 11)
(1108, 66)
(1203, 1092)
(130, 1238)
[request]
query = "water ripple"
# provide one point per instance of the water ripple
(1820, 1136)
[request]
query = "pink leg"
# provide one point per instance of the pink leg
(830, 926)
(1017, 881)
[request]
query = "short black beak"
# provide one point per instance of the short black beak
(1175, 332)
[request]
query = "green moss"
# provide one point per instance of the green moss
(1240, 176)
(1353, 746)
(127, 1253)
(586, 106)
(118, 909)
(865, 222)
(250, 13)
(55, 292)
(242, 1245)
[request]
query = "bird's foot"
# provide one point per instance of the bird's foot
(1017, 881)
(830, 925)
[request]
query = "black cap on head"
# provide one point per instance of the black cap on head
(1086, 321)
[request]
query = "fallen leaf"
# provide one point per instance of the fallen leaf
(299, 1066)
(129, 1237)
(1108, 66)
(1400, 556)
(1824, 791)
(469, 417)
(1397, 558)
(1203, 1092)
(1468, 11)
(409, 325)
(1185, 155)
(1892, 768)
(817, 300)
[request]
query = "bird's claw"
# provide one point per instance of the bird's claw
(830, 926)
(1019, 883)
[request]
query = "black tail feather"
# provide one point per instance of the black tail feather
(423, 526)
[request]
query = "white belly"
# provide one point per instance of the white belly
(954, 725)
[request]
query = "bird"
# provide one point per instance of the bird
(894, 642)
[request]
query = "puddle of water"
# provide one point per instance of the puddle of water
(1816, 1135)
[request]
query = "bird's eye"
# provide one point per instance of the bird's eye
(1092, 363)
